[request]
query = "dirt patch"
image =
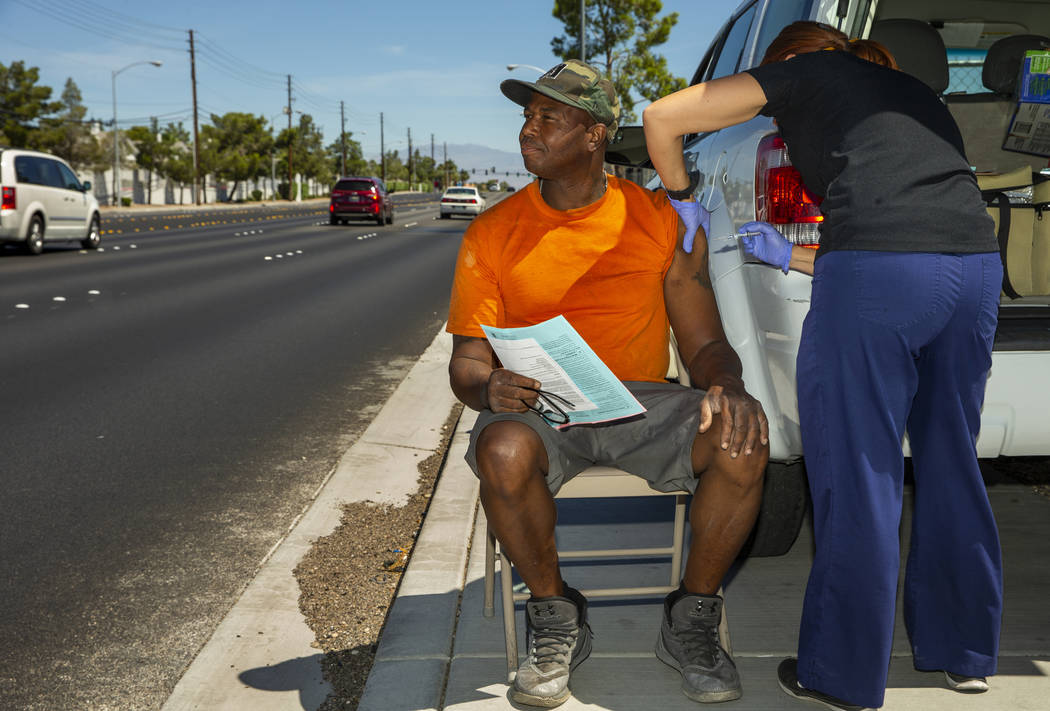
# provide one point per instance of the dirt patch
(347, 581)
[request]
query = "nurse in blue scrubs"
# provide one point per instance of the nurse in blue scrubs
(898, 339)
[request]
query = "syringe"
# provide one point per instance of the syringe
(734, 237)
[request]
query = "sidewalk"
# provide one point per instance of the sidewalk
(439, 652)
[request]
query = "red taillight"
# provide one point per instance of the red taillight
(331, 207)
(780, 196)
(444, 199)
(9, 201)
(473, 201)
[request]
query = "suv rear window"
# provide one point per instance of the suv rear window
(354, 185)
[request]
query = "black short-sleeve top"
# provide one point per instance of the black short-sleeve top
(882, 150)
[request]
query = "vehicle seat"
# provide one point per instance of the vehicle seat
(917, 47)
(1024, 239)
(984, 119)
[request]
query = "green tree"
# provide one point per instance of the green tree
(426, 169)
(149, 153)
(355, 161)
(621, 35)
(237, 146)
(22, 105)
(309, 157)
(395, 168)
(67, 134)
(176, 155)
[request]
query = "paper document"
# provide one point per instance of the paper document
(553, 353)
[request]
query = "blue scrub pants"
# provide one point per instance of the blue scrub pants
(897, 341)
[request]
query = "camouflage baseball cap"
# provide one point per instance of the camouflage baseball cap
(576, 84)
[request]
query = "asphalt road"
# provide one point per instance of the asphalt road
(170, 405)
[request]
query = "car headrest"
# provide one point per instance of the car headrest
(1002, 65)
(917, 47)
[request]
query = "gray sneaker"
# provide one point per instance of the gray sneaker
(689, 642)
(558, 639)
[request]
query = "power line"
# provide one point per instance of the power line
(233, 74)
(96, 13)
(92, 26)
(217, 49)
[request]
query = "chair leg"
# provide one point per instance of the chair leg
(506, 578)
(723, 626)
(679, 540)
(490, 572)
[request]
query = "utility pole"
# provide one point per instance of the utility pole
(149, 190)
(444, 149)
(382, 150)
(196, 131)
(291, 138)
(342, 134)
(410, 175)
(583, 30)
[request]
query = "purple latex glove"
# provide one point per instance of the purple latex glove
(693, 215)
(768, 245)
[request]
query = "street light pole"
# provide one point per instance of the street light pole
(116, 133)
(583, 30)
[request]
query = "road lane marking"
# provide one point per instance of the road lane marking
(411, 224)
(58, 298)
(94, 292)
(21, 306)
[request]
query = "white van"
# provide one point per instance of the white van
(968, 51)
(41, 199)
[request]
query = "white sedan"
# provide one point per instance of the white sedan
(461, 201)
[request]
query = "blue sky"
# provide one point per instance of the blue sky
(432, 67)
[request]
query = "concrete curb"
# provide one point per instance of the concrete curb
(416, 643)
(260, 656)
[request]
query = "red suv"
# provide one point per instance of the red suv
(360, 197)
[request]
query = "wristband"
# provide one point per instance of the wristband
(687, 192)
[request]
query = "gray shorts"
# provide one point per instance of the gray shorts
(656, 445)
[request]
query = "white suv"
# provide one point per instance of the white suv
(747, 175)
(41, 199)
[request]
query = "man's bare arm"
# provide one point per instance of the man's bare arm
(712, 363)
(479, 383)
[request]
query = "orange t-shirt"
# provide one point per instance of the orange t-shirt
(601, 266)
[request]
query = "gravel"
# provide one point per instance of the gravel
(348, 580)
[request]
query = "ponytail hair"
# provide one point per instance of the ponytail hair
(805, 36)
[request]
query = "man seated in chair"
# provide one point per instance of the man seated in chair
(611, 257)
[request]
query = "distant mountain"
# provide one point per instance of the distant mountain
(479, 159)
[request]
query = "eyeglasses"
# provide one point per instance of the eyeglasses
(547, 406)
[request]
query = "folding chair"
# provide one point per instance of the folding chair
(597, 482)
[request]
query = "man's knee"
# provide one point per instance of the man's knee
(745, 471)
(509, 454)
